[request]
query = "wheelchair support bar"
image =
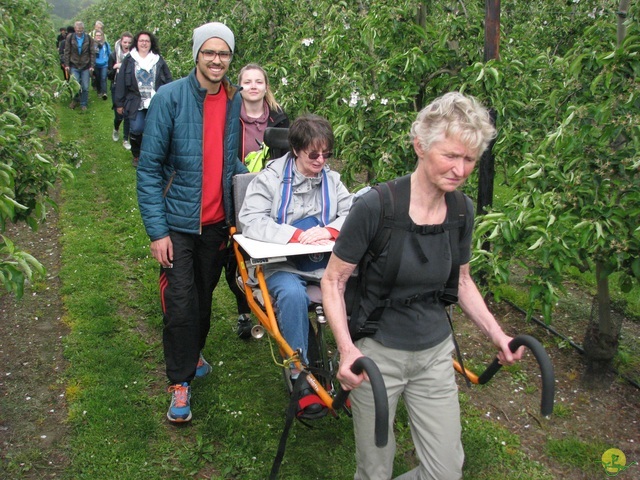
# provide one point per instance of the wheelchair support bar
(546, 370)
(379, 397)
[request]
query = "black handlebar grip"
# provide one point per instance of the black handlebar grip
(546, 370)
(380, 399)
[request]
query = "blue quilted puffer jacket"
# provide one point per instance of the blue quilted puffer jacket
(170, 165)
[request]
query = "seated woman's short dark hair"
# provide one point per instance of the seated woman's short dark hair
(310, 130)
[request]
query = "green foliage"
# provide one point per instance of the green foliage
(29, 164)
(577, 197)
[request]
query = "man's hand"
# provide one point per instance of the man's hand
(162, 251)
(120, 110)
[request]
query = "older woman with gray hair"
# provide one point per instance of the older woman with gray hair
(411, 339)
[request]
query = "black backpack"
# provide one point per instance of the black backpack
(393, 225)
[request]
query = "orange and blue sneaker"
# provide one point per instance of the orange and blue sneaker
(203, 369)
(180, 408)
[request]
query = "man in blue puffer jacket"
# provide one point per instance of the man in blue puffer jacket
(187, 162)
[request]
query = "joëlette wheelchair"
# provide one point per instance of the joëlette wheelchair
(321, 367)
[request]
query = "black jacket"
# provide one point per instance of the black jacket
(127, 93)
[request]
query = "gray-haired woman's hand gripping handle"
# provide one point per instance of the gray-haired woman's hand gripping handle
(379, 397)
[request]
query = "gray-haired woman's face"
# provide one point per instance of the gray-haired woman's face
(446, 164)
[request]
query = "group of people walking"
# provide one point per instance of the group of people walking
(137, 70)
(198, 131)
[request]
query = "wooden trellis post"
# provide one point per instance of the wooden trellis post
(486, 172)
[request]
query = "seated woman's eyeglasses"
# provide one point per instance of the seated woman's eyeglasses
(209, 55)
(317, 155)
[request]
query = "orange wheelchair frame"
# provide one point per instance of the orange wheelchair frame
(263, 310)
(333, 398)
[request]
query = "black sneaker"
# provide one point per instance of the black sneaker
(243, 329)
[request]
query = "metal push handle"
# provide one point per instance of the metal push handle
(546, 370)
(380, 399)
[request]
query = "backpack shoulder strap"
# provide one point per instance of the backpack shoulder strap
(456, 210)
(397, 224)
(395, 197)
(388, 208)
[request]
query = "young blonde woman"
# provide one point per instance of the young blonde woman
(259, 111)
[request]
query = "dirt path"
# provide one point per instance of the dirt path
(33, 430)
(607, 412)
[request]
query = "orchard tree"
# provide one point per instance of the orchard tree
(29, 161)
(578, 200)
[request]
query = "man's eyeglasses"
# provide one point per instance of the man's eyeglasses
(209, 55)
(317, 155)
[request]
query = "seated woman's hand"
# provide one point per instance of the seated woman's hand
(315, 236)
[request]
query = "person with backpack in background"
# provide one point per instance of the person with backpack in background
(120, 50)
(259, 111)
(97, 27)
(400, 320)
(61, 44)
(103, 51)
(61, 36)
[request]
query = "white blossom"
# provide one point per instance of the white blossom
(284, 81)
(384, 101)
(307, 41)
(355, 96)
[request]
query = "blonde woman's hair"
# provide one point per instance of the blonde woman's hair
(269, 97)
(454, 115)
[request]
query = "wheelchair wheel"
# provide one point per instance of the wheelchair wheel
(322, 359)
